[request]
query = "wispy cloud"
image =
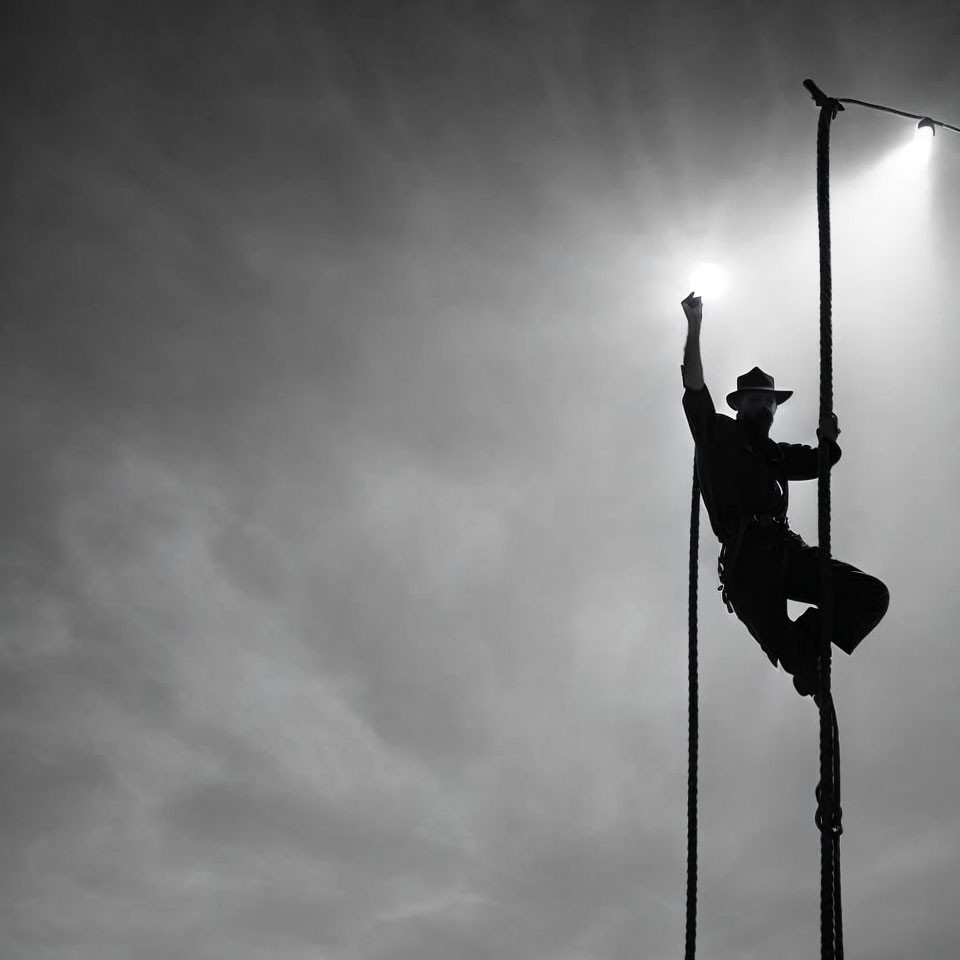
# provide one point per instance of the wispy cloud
(346, 487)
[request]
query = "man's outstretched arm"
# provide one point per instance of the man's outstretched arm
(692, 368)
(697, 402)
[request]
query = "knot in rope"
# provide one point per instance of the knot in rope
(829, 816)
(822, 100)
(829, 812)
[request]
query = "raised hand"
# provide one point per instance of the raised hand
(692, 308)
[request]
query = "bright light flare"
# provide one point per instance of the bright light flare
(708, 280)
(916, 154)
(922, 144)
(910, 161)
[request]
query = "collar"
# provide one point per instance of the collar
(769, 447)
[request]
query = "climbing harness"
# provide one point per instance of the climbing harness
(829, 813)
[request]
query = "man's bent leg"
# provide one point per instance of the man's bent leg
(859, 599)
(764, 613)
(757, 593)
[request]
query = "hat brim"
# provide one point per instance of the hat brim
(781, 396)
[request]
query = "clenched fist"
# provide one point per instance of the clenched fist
(692, 308)
(829, 428)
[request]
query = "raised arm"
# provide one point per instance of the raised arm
(692, 368)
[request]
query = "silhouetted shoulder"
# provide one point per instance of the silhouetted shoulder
(702, 415)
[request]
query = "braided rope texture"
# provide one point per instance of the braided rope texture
(693, 725)
(831, 934)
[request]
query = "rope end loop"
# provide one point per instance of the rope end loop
(822, 100)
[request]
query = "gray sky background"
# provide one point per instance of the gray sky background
(347, 484)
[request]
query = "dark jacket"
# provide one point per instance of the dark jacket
(739, 477)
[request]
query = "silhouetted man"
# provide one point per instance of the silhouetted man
(744, 478)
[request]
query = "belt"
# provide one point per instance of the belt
(768, 520)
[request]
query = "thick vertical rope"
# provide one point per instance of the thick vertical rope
(837, 828)
(693, 733)
(828, 794)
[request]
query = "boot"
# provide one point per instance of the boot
(806, 680)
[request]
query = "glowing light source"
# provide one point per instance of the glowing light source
(708, 280)
(910, 160)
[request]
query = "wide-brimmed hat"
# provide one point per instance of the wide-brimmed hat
(756, 379)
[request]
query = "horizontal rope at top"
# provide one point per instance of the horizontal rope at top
(899, 113)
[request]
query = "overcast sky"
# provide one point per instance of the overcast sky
(346, 488)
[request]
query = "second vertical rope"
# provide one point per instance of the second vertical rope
(693, 724)
(831, 943)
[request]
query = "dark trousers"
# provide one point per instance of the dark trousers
(772, 566)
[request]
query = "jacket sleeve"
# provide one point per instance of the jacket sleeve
(701, 413)
(801, 459)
